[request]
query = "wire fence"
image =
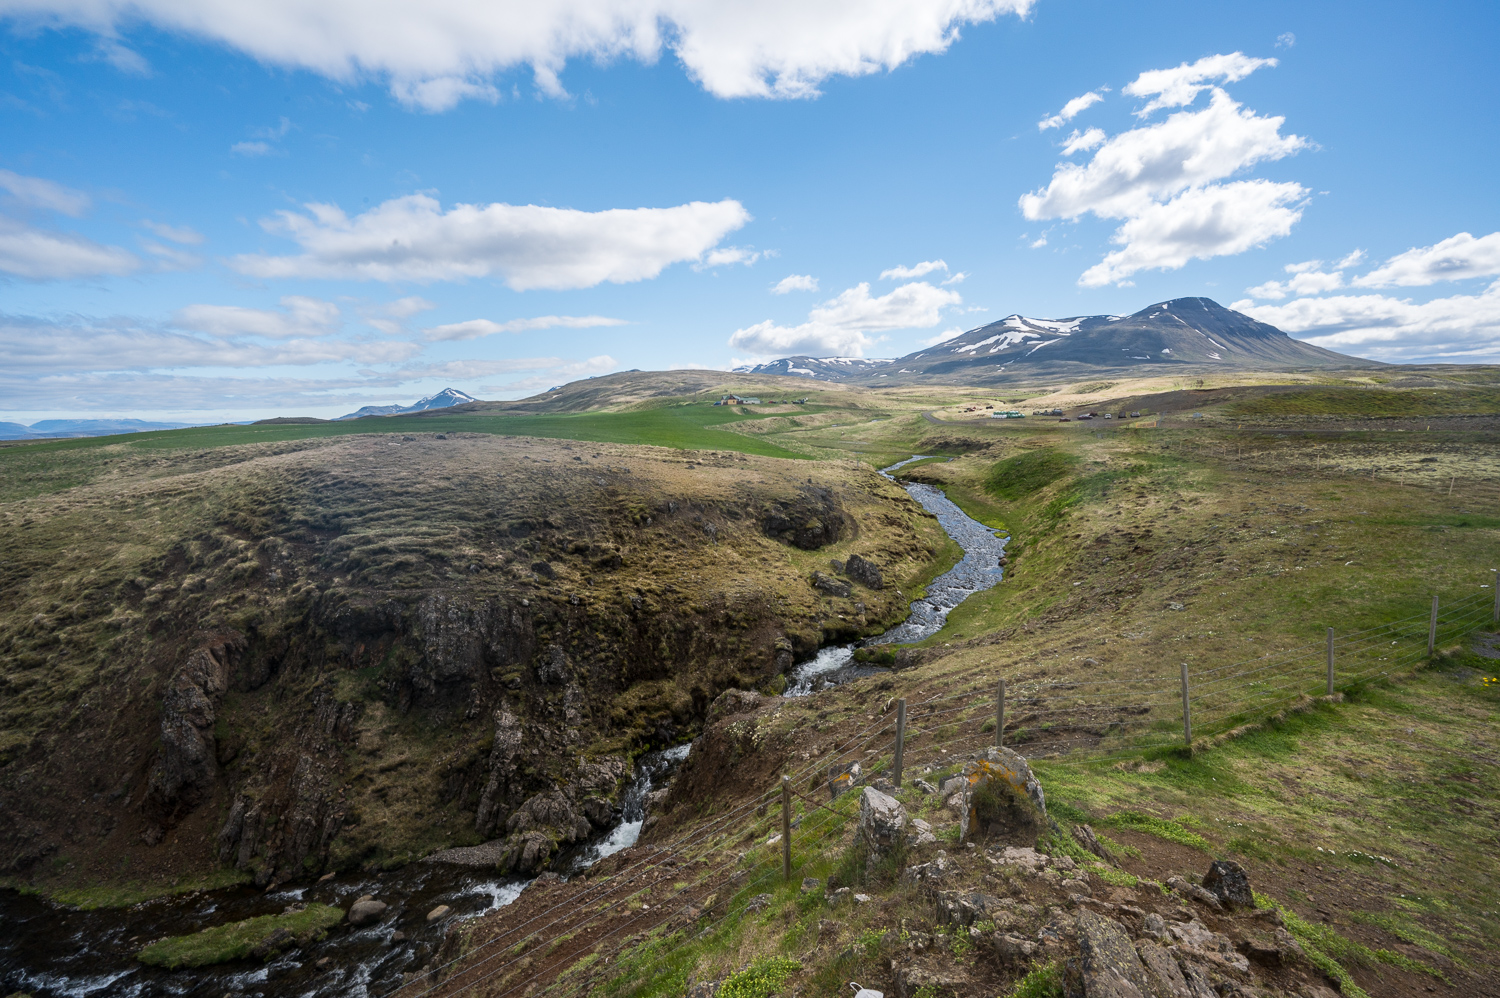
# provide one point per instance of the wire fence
(1069, 722)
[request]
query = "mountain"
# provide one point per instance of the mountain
(1196, 333)
(442, 400)
(81, 428)
(822, 368)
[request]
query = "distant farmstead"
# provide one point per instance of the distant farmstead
(738, 400)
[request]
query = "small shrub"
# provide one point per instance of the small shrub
(761, 979)
(1044, 981)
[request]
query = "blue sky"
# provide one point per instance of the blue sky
(210, 210)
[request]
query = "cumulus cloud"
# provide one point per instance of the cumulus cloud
(413, 239)
(922, 269)
(1457, 329)
(1083, 142)
(942, 337)
(1166, 180)
(1456, 258)
(1069, 111)
(436, 53)
(1181, 86)
(1199, 223)
(475, 328)
(1286, 40)
(957, 278)
(299, 316)
(42, 255)
(841, 326)
(795, 282)
(35, 192)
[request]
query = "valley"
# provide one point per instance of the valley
(239, 659)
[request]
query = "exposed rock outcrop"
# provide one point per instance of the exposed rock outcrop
(813, 520)
(186, 765)
(864, 571)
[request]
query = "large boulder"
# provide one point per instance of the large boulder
(882, 820)
(1001, 798)
(366, 911)
(1107, 965)
(1226, 880)
(864, 571)
(828, 584)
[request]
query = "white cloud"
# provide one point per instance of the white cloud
(726, 256)
(475, 328)
(126, 60)
(1457, 329)
(299, 317)
(1164, 180)
(559, 373)
(1203, 222)
(1456, 258)
(441, 94)
(79, 347)
(42, 255)
(1286, 40)
(1308, 278)
(440, 51)
(1189, 149)
(942, 337)
(1070, 111)
(957, 278)
(177, 234)
(38, 193)
(1084, 142)
(251, 148)
(412, 239)
(795, 282)
(390, 317)
(900, 273)
(170, 258)
(841, 326)
(1181, 85)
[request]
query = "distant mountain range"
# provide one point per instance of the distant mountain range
(442, 400)
(80, 428)
(1196, 333)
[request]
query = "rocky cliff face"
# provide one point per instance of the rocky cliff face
(357, 652)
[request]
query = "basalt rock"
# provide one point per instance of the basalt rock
(1001, 798)
(1226, 880)
(882, 820)
(186, 765)
(828, 584)
(865, 572)
(1107, 965)
(813, 520)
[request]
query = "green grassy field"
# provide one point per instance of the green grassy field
(695, 426)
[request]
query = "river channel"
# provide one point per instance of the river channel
(51, 951)
(978, 570)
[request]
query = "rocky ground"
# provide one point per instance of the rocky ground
(271, 661)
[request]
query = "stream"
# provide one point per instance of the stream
(51, 951)
(978, 570)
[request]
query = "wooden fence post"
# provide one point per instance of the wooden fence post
(1432, 628)
(1187, 714)
(1000, 715)
(1330, 661)
(900, 737)
(786, 827)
